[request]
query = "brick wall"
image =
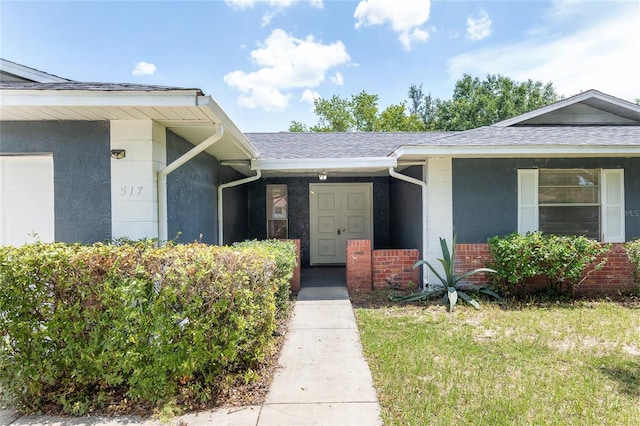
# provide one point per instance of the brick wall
(294, 283)
(395, 265)
(358, 265)
(616, 276)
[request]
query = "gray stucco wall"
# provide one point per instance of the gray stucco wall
(406, 211)
(192, 197)
(235, 206)
(82, 172)
(485, 194)
(298, 191)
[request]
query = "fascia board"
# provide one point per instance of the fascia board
(29, 73)
(324, 163)
(74, 98)
(520, 151)
(213, 110)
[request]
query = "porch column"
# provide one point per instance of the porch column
(439, 177)
(134, 199)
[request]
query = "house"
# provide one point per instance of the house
(92, 161)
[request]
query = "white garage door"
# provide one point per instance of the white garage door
(26, 199)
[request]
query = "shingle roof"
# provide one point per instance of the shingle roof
(91, 86)
(286, 145)
(542, 135)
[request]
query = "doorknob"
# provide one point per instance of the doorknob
(340, 230)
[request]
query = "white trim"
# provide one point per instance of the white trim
(383, 163)
(74, 98)
(589, 94)
(208, 103)
(528, 182)
(541, 151)
(28, 73)
(612, 205)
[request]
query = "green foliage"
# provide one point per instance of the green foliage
(283, 253)
(475, 103)
(358, 114)
(565, 261)
(452, 286)
(633, 254)
(148, 321)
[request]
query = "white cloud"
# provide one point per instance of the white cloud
(603, 55)
(337, 79)
(240, 4)
(144, 68)
(405, 16)
(267, 18)
(248, 4)
(286, 63)
(479, 28)
(309, 96)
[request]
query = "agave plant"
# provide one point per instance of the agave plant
(452, 286)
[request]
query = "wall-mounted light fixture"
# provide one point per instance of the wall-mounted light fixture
(322, 176)
(117, 154)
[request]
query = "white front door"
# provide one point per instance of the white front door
(338, 212)
(26, 199)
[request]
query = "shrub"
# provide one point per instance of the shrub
(633, 254)
(564, 261)
(283, 253)
(142, 320)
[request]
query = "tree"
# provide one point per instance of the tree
(333, 114)
(422, 106)
(358, 114)
(476, 103)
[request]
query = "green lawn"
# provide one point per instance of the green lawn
(576, 364)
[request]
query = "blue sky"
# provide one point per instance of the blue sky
(265, 61)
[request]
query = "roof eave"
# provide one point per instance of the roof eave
(208, 104)
(301, 164)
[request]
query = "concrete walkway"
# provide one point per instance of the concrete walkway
(324, 379)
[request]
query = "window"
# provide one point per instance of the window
(587, 202)
(277, 218)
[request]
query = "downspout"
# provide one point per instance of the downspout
(220, 206)
(423, 186)
(162, 178)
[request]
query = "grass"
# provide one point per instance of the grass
(564, 364)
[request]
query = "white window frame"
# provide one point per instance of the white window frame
(612, 213)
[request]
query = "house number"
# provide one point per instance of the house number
(131, 191)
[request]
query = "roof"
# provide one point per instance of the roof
(93, 86)
(186, 112)
(11, 71)
(542, 135)
(305, 145)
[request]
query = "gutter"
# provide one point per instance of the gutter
(220, 205)
(162, 178)
(423, 187)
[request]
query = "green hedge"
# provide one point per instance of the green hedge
(633, 254)
(80, 324)
(283, 253)
(564, 261)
